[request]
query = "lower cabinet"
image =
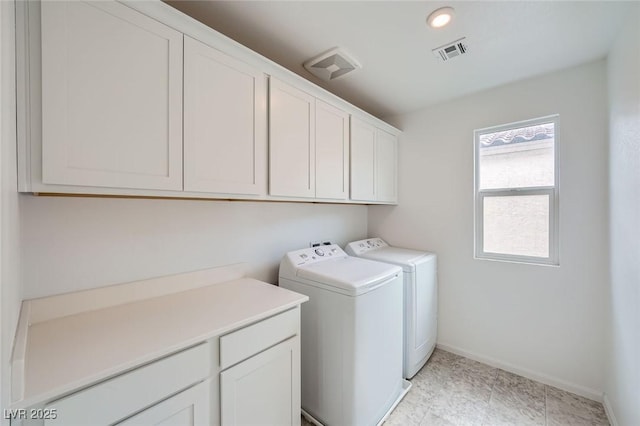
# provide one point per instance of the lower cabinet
(188, 408)
(117, 399)
(265, 389)
(248, 376)
(260, 378)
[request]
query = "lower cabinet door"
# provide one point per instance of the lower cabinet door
(188, 408)
(264, 389)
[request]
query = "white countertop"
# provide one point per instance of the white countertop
(66, 353)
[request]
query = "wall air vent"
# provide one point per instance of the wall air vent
(451, 50)
(331, 65)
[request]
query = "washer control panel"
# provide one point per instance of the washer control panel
(363, 246)
(315, 254)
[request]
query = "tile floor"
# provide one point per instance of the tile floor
(453, 390)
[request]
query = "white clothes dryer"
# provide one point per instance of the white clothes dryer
(420, 297)
(351, 335)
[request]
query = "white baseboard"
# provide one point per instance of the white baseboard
(529, 374)
(608, 409)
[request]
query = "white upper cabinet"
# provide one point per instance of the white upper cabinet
(111, 97)
(332, 152)
(135, 99)
(291, 141)
(363, 160)
(308, 145)
(224, 123)
(373, 163)
(386, 167)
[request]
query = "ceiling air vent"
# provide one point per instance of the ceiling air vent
(331, 65)
(451, 50)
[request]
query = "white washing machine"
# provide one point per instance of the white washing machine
(351, 335)
(420, 297)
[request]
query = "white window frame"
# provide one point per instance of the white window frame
(551, 191)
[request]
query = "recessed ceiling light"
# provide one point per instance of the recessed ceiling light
(440, 17)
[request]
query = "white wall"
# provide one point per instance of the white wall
(10, 289)
(77, 243)
(623, 366)
(544, 322)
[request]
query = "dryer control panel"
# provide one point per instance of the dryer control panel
(311, 255)
(363, 246)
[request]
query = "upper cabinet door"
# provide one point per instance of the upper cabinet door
(111, 97)
(332, 152)
(386, 167)
(374, 160)
(224, 123)
(291, 141)
(363, 161)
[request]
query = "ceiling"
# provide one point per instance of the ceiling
(507, 41)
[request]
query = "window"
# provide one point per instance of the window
(516, 192)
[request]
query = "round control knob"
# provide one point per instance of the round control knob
(319, 252)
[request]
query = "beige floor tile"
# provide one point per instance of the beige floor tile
(451, 390)
(410, 411)
(431, 419)
(565, 408)
(457, 408)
